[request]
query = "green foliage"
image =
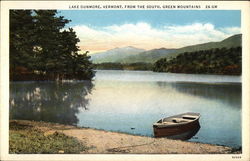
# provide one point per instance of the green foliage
(213, 61)
(22, 39)
(40, 46)
(28, 140)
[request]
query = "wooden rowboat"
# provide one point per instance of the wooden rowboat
(175, 125)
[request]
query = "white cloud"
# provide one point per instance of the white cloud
(143, 35)
(193, 28)
(229, 30)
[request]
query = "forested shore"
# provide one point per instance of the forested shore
(120, 66)
(223, 61)
(227, 61)
(41, 48)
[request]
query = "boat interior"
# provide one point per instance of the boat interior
(179, 119)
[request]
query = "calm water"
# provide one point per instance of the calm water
(121, 100)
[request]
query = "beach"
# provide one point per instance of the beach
(106, 142)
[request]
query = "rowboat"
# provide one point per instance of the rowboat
(176, 125)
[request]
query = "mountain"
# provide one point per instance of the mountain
(115, 55)
(132, 55)
(232, 41)
(149, 56)
(152, 56)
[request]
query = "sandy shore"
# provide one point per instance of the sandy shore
(100, 141)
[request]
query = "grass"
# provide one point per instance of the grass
(25, 139)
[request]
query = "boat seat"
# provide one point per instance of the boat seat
(169, 123)
(189, 117)
(179, 120)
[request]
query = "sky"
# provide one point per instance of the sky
(101, 30)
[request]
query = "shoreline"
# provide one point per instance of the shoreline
(99, 141)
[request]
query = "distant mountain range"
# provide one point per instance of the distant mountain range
(148, 56)
(116, 54)
(132, 55)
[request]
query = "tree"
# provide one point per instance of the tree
(40, 43)
(48, 36)
(21, 39)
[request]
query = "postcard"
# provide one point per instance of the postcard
(125, 80)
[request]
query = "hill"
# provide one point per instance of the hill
(230, 42)
(152, 56)
(148, 56)
(115, 55)
(128, 55)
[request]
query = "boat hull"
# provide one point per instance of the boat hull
(186, 135)
(175, 130)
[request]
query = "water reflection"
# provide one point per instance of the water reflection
(49, 101)
(230, 94)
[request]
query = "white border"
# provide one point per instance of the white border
(244, 6)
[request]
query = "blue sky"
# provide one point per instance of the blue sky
(220, 18)
(100, 30)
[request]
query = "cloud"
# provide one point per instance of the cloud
(143, 35)
(229, 30)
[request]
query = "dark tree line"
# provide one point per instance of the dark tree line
(214, 61)
(124, 66)
(42, 49)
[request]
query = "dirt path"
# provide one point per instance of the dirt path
(100, 141)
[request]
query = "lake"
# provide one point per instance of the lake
(131, 101)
